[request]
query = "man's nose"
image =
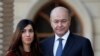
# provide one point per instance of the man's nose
(59, 24)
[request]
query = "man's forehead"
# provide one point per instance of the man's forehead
(58, 18)
(59, 10)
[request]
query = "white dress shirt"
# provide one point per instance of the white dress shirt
(56, 42)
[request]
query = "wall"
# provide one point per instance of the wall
(93, 6)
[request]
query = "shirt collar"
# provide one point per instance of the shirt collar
(64, 37)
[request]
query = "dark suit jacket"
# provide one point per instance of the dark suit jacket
(75, 46)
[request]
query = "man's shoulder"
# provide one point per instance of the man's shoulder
(79, 37)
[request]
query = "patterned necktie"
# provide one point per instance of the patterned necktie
(59, 49)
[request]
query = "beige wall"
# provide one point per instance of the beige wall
(21, 9)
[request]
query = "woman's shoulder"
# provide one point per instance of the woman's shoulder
(10, 53)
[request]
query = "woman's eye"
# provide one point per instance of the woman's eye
(30, 30)
(23, 31)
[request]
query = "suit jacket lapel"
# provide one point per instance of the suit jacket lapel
(51, 46)
(68, 45)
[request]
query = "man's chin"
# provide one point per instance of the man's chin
(60, 34)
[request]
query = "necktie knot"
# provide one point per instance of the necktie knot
(60, 39)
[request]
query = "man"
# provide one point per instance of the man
(69, 44)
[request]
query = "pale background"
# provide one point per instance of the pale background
(11, 12)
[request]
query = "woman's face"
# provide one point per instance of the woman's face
(27, 35)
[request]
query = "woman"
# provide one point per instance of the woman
(24, 42)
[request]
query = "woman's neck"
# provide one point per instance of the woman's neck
(26, 48)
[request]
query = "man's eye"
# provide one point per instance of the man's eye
(64, 20)
(55, 21)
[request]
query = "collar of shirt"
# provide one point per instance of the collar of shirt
(65, 37)
(56, 42)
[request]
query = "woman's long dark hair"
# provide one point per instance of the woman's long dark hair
(16, 44)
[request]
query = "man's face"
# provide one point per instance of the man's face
(60, 23)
